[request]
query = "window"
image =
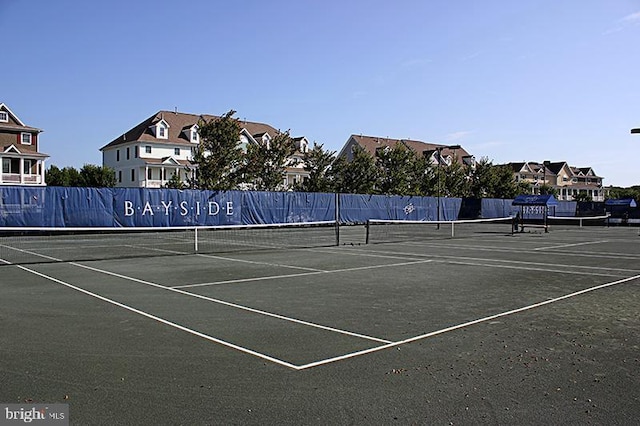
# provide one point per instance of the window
(4, 117)
(162, 132)
(117, 155)
(194, 135)
(120, 176)
(133, 175)
(136, 150)
(149, 174)
(25, 139)
(128, 154)
(11, 165)
(27, 167)
(176, 151)
(147, 149)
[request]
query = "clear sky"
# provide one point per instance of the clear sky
(509, 80)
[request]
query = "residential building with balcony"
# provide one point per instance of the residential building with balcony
(568, 181)
(22, 162)
(163, 145)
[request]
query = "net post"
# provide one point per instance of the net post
(453, 232)
(195, 239)
(367, 226)
(337, 213)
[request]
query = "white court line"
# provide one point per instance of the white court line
(571, 245)
(605, 255)
(232, 305)
(163, 321)
(461, 260)
(218, 301)
(463, 325)
(302, 274)
(211, 256)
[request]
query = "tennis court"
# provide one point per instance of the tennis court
(487, 327)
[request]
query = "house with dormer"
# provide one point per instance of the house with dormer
(568, 181)
(438, 155)
(163, 145)
(22, 162)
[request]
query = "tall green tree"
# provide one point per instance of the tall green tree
(89, 175)
(97, 176)
(318, 163)
(453, 180)
(358, 176)
(266, 163)
(397, 170)
(219, 158)
(67, 176)
(505, 185)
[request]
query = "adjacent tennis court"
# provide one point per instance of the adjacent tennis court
(488, 326)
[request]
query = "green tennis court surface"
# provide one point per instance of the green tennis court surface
(487, 328)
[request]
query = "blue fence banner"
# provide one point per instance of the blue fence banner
(84, 207)
(174, 207)
(138, 207)
(496, 207)
(22, 206)
(358, 208)
(287, 207)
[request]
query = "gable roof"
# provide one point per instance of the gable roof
(372, 143)
(177, 122)
(14, 122)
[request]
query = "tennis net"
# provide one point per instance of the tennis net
(561, 222)
(21, 245)
(385, 231)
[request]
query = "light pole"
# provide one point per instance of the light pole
(439, 151)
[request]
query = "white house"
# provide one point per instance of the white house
(149, 154)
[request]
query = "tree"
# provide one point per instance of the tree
(453, 180)
(266, 163)
(506, 185)
(483, 179)
(67, 176)
(619, 193)
(397, 170)
(490, 181)
(97, 176)
(89, 175)
(358, 176)
(548, 190)
(175, 182)
(219, 157)
(582, 196)
(318, 163)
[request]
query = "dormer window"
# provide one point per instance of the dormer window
(195, 137)
(161, 129)
(244, 141)
(304, 146)
(25, 139)
(4, 117)
(266, 140)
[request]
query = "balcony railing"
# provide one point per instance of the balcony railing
(16, 178)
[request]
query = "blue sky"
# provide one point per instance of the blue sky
(509, 80)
